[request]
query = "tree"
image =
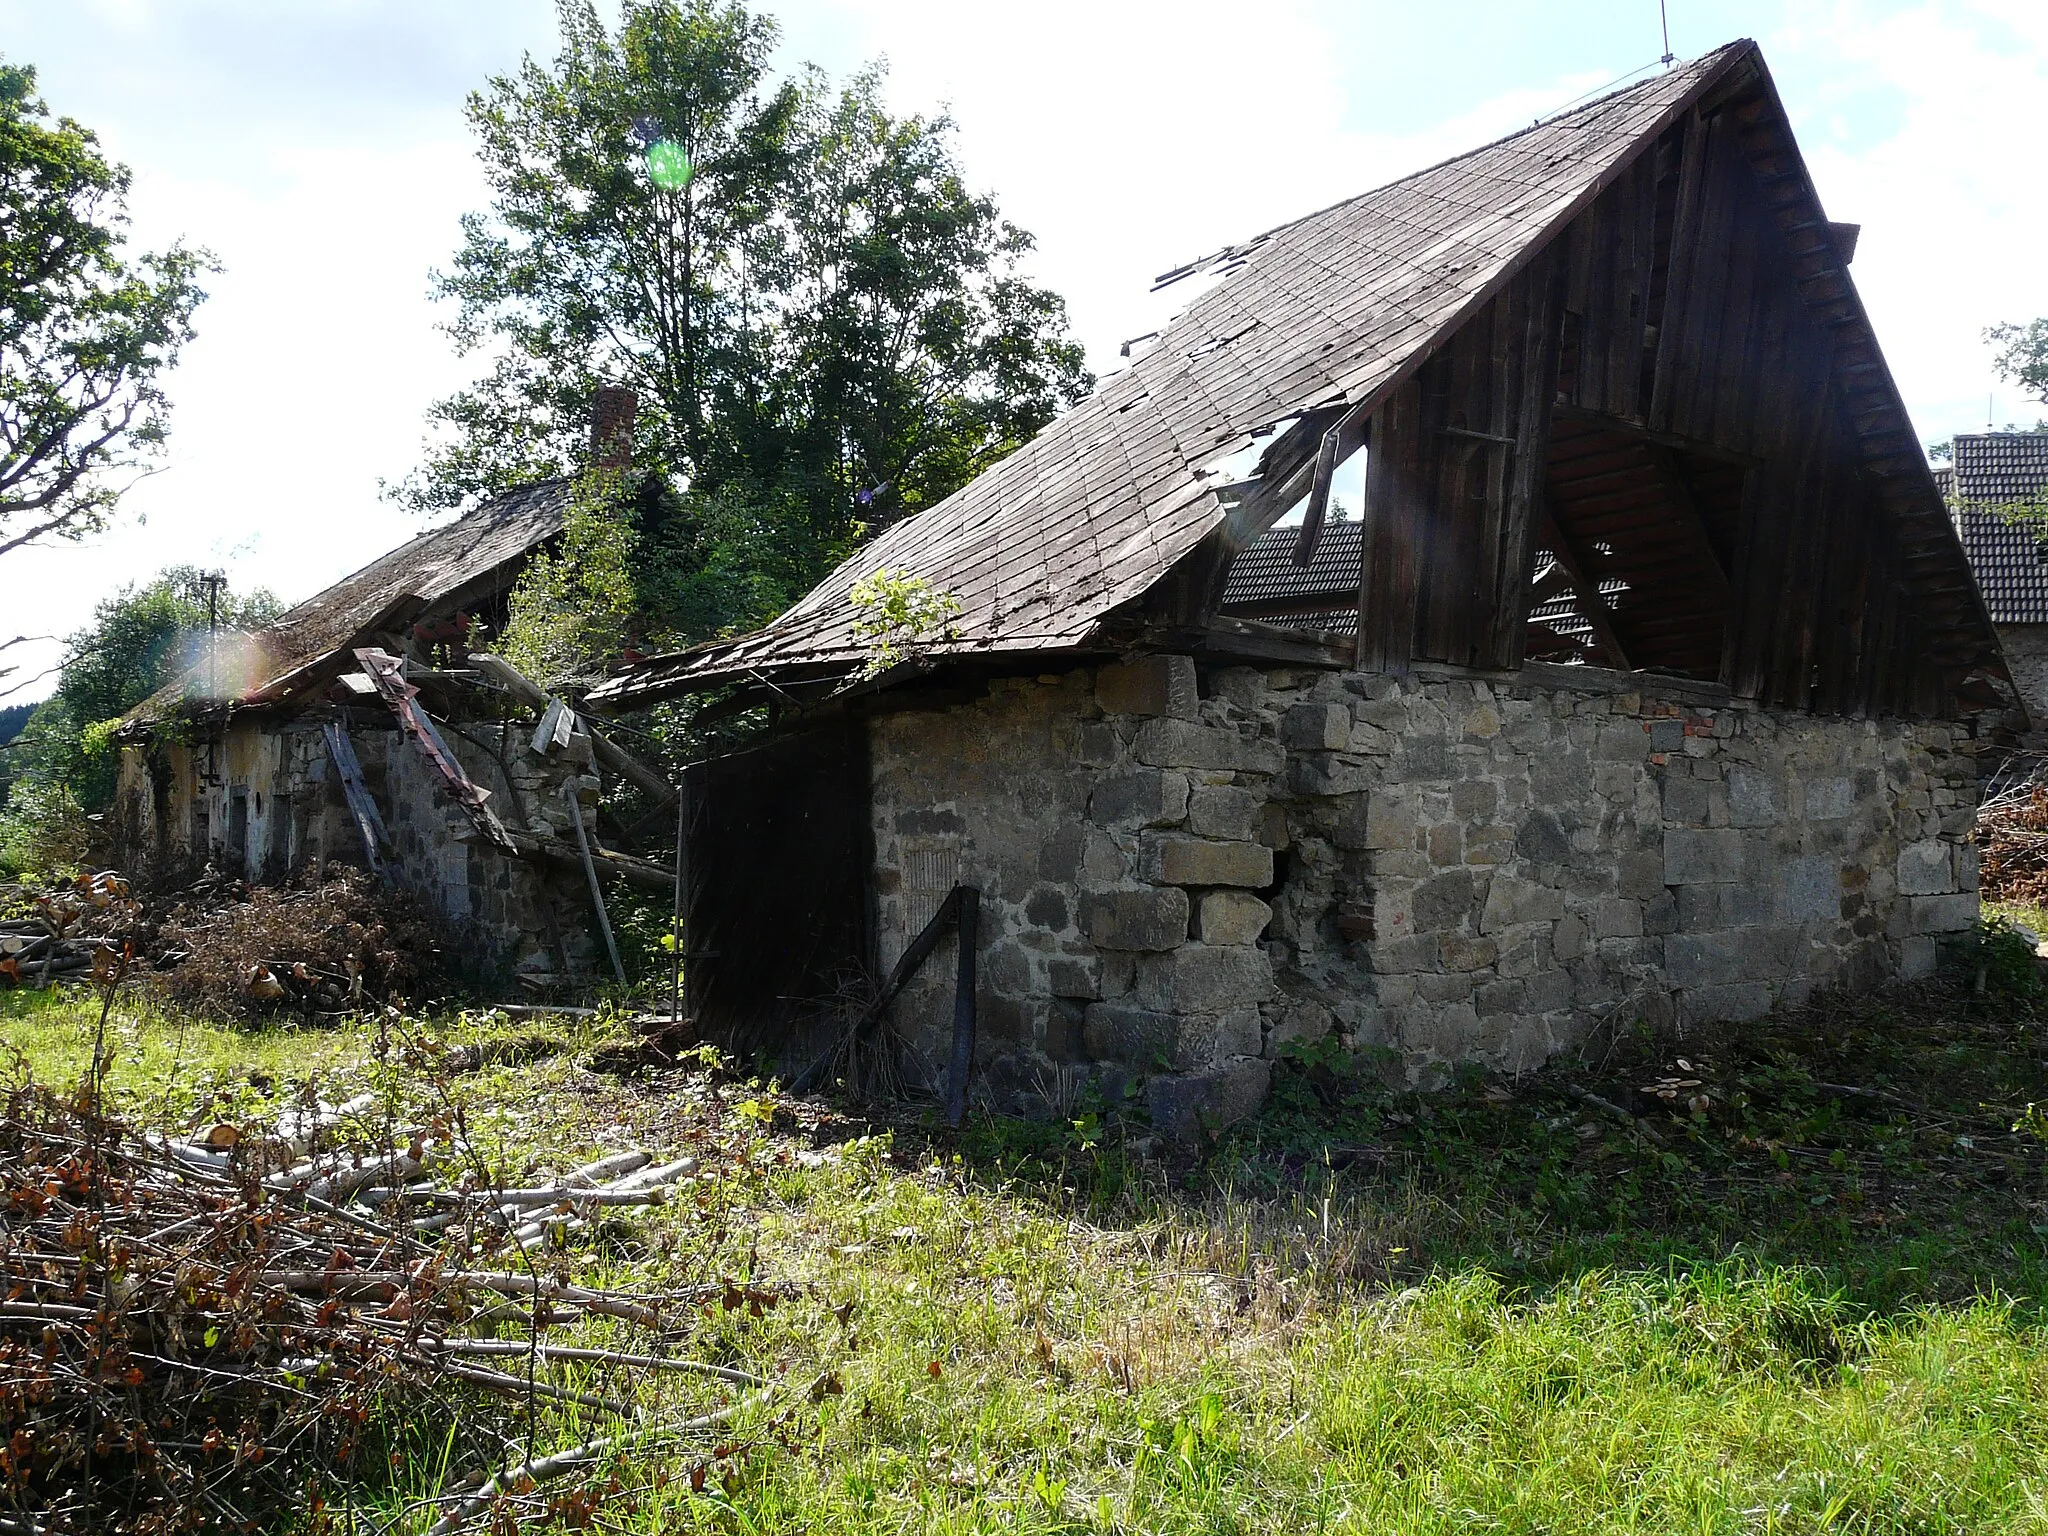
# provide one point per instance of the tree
(825, 328)
(2022, 356)
(62, 765)
(84, 333)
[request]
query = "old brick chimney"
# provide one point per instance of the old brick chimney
(611, 428)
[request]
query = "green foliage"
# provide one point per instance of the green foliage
(2022, 355)
(570, 611)
(898, 615)
(824, 327)
(64, 763)
(2004, 958)
(85, 332)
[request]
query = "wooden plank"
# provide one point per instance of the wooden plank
(369, 824)
(1505, 617)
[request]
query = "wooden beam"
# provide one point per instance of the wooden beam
(1585, 593)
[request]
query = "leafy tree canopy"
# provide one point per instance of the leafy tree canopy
(825, 327)
(85, 333)
(2022, 356)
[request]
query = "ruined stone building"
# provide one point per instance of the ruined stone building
(1990, 476)
(1637, 682)
(357, 729)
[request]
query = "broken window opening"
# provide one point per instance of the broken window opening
(1264, 583)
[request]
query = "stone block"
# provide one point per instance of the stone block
(1150, 919)
(1077, 976)
(1273, 825)
(1231, 917)
(1918, 958)
(1808, 890)
(1829, 799)
(1316, 727)
(1695, 856)
(1926, 868)
(1149, 685)
(1196, 1106)
(1692, 802)
(1224, 812)
(1461, 953)
(1667, 735)
(1168, 859)
(1754, 799)
(1146, 797)
(1615, 917)
(1444, 901)
(1734, 1003)
(1568, 937)
(1298, 1021)
(1201, 978)
(1474, 797)
(1147, 1038)
(1943, 914)
(1384, 819)
(1510, 901)
(1179, 743)
(1543, 838)
(1729, 957)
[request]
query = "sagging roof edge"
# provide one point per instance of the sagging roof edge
(617, 693)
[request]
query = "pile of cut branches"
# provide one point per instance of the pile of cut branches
(2012, 836)
(57, 933)
(311, 949)
(215, 1329)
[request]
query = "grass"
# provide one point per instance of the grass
(1499, 1308)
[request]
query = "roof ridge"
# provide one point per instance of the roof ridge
(1224, 253)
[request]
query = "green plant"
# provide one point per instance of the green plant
(898, 615)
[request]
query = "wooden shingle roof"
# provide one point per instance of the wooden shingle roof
(446, 566)
(1325, 314)
(1324, 311)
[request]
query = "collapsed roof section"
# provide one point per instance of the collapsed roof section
(1216, 429)
(441, 573)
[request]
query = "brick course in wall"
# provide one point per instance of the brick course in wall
(1182, 874)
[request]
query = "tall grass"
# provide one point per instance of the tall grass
(1465, 1331)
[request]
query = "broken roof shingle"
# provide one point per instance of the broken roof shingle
(1324, 311)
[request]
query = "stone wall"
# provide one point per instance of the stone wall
(2026, 652)
(176, 807)
(1182, 874)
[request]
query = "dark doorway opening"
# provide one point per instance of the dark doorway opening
(777, 910)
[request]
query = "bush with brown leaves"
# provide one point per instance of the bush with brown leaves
(248, 952)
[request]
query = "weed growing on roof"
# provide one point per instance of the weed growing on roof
(897, 615)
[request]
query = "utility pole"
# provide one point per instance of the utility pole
(213, 581)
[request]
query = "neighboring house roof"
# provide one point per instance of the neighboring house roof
(1331, 311)
(1264, 581)
(445, 568)
(1993, 469)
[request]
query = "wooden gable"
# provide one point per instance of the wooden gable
(1643, 452)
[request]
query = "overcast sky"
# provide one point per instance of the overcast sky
(318, 147)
